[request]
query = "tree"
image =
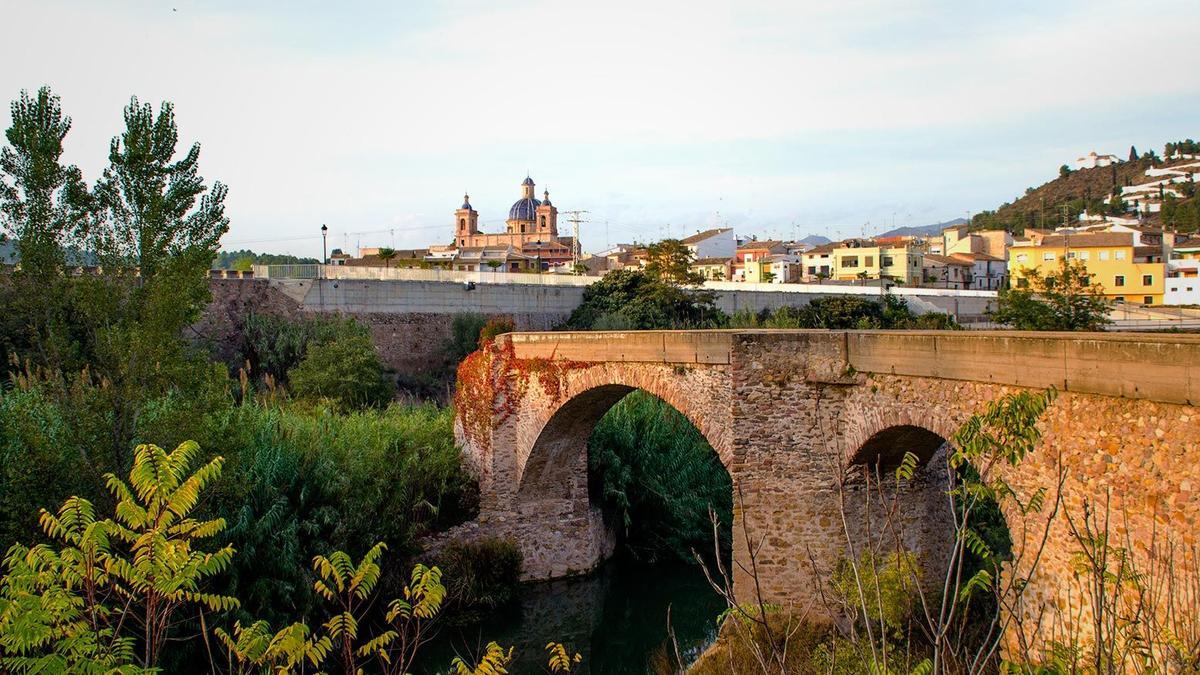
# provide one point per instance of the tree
(386, 254)
(670, 260)
(346, 371)
(1061, 300)
(158, 214)
(43, 203)
(1064, 171)
(1116, 205)
(78, 604)
(631, 299)
(1133, 154)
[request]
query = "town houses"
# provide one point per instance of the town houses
(1133, 262)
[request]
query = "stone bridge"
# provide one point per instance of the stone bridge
(788, 412)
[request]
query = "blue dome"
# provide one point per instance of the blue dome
(527, 181)
(524, 209)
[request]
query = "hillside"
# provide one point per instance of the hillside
(1079, 190)
(922, 230)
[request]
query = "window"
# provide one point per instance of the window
(1022, 257)
(1119, 298)
(850, 261)
(1083, 255)
(1104, 255)
(1119, 280)
(1147, 279)
(462, 223)
(1119, 255)
(543, 222)
(868, 261)
(1147, 300)
(1047, 256)
(886, 261)
(1071, 255)
(812, 270)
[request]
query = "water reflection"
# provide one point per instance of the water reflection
(616, 618)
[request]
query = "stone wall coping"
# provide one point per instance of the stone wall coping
(1158, 367)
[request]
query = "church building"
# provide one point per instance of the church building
(531, 230)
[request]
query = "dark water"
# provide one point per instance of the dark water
(616, 618)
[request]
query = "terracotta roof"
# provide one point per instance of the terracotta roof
(823, 248)
(711, 261)
(976, 256)
(701, 236)
(943, 260)
(1088, 240)
(767, 244)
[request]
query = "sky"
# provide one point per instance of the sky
(778, 119)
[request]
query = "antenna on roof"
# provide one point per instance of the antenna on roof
(575, 220)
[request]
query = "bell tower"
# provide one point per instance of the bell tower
(466, 223)
(547, 217)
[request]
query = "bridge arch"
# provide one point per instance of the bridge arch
(562, 427)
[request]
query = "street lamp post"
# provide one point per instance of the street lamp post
(324, 248)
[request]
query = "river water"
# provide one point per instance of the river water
(616, 618)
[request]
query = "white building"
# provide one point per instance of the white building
(1182, 283)
(1092, 160)
(988, 272)
(715, 243)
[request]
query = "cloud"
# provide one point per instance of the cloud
(372, 114)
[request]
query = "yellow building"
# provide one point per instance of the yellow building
(857, 259)
(1125, 272)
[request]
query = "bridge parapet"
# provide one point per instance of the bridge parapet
(1154, 367)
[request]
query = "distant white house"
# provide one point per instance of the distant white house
(714, 243)
(1092, 160)
(1182, 283)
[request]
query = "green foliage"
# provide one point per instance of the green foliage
(846, 312)
(38, 466)
(42, 202)
(81, 601)
(1064, 300)
(658, 476)
(345, 371)
(644, 302)
(484, 574)
(879, 588)
(244, 259)
(272, 345)
(670, 261)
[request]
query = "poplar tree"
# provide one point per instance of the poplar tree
(42, 202)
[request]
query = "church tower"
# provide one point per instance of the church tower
(466, 223)
(547, 218)
(522, 217)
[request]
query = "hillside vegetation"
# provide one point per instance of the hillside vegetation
(1074, 191)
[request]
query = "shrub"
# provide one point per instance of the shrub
(483, 575)
(495, 327)
(346, 371)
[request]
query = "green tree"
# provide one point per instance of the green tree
(44, 207)
(1063, 300)
(632, 299)
(1133, 154)
(346, 371)
(670, 261)
(1064, 171)
(43, 203)
(386, 254)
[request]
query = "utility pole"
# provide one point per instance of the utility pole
(574, 218)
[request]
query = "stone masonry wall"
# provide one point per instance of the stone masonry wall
(790, 418)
